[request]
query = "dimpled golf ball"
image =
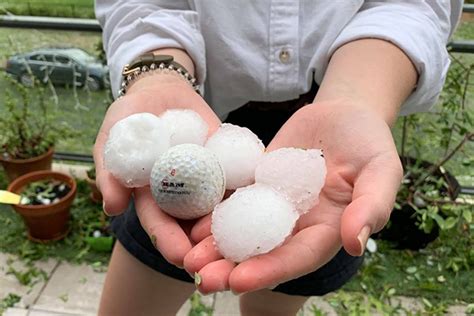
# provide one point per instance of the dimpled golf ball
(298, 173)
(252, 221)
(238, 150)
(185, 127)
(132, 147)
(187, 181)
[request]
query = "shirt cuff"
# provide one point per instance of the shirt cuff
(160, 29)
(417, 35)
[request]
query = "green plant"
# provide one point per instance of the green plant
(8, 301)
(426, 187)
(28, 126)
(198, 308)
(91, 173)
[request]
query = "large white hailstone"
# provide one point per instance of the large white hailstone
(132, 147)
(187, 181)
(299, 173)
(253, 221)
(185, 126)
(239, 151)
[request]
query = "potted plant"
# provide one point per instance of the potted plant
(48, 196)
(427, 201)
(95, 195)
(29, 131)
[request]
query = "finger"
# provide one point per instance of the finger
(201, 229)
(374, 194)
(115, 196)
(214, 277)
(164, 231)
(308, 250)
(202, 254)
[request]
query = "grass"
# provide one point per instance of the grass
(82, 111)
(432, 273)
(63, 8)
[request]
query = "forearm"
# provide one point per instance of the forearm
(369, 73)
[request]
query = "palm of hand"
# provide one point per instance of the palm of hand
(363, 176)
(166, 232)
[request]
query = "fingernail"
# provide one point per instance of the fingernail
(153, 240)
(363, 237)
(103, 208)
(237, 293)
(197, 279)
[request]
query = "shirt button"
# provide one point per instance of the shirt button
(284, 56)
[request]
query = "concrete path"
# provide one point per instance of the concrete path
(66, 289)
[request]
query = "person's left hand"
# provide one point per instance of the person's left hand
(364, 173)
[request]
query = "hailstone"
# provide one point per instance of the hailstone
(185, 127)
(252, 221)
(298, 173)
(132, 147)
(239, 151)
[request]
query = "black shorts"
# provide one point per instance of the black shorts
(264, 119)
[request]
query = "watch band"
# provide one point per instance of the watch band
(150, 63)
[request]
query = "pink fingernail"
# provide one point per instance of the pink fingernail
(363, 237)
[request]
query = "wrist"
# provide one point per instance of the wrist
(160, 81)
(372, 74)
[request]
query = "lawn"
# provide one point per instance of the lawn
(63, 8)
(82, 110)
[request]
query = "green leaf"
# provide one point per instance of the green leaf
(411, 270)
(450, 223)
(467, 214)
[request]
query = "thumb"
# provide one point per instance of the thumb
(374, 194)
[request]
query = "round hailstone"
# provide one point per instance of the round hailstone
(253, 221)
(187, 181)
(238, 150)
(185, 126)
(133, 145)
(297, 172)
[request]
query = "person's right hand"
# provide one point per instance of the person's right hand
(154, 94)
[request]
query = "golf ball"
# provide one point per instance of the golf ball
(252, 221)
(187, 181)
(132, 147)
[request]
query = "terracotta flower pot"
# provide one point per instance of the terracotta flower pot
(45, 222)
(95, 195)
(18, 167)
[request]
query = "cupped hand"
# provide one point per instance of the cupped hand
(363, 176)
(154, 94)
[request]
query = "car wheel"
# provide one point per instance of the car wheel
(93, 84)
(27, 80)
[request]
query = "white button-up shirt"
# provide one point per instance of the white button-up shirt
(271, 50)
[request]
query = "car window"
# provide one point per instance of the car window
(42, 57)
(62, 60)
(49, 58)
(37, 57)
